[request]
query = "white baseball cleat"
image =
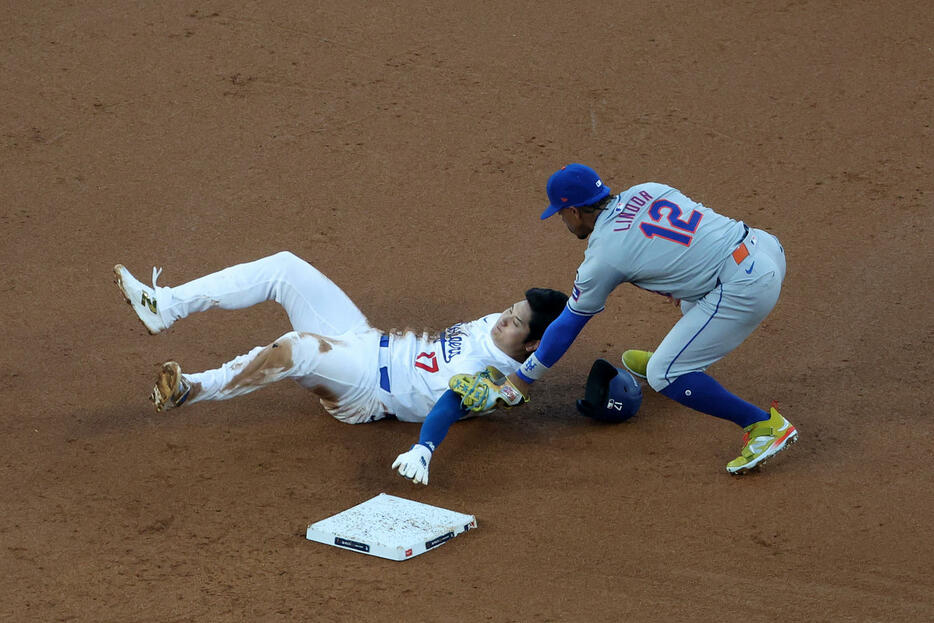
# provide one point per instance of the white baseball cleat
(141, 298)
(171, 389)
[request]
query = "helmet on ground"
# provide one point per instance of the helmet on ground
(611, 395)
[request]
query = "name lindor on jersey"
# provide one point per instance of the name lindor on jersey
(628, 212)
(658, 239)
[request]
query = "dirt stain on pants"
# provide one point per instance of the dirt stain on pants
(273, 359)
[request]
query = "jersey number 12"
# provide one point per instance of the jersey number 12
(680, 230)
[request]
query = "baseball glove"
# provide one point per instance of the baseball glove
(486, 390)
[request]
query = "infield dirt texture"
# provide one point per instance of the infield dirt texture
(404, 150)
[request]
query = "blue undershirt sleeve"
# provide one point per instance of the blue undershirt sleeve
(445, 412)
(559, 336)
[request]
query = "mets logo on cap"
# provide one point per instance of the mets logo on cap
(573, 185)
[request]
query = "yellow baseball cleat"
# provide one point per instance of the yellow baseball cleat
(636, 361)
(763, 440)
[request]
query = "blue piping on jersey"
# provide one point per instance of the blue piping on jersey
(587, 314)
(384, 370)
(716, 309)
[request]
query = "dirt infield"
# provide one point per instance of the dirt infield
(403, 150)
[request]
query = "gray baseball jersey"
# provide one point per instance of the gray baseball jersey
(728, 276)
(658, 239)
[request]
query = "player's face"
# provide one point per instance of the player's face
(512, 327)
(574, 221)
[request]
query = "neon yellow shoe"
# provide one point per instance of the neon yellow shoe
(763, 440)
(636, 361)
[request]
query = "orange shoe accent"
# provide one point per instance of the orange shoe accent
(790, 430)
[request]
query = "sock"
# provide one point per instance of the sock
(702, 393)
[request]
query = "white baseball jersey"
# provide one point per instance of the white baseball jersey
(657, 239)
(420, 366)
(359, 373)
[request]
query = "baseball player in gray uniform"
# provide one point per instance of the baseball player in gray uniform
(724, 275)
(359, 373)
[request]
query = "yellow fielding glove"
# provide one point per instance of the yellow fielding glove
(486, 390)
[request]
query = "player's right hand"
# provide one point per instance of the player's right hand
(414, 463)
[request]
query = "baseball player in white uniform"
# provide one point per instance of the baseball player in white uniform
(724, 275)
(359, 373)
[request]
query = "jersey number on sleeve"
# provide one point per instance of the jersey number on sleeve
(427, 361)
(672, 213)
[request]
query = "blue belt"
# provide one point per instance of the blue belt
(384, 370)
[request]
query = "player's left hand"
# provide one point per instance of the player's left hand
(414, 463)
(486, 390)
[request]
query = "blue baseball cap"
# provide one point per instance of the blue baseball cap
(574, 185)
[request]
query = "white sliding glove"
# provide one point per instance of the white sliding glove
(414, 463)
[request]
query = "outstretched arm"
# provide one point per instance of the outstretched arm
(556, 340)
(414, 463)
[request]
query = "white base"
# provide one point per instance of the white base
(391, 527)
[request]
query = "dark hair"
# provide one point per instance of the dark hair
(546, 304)
(600, 204)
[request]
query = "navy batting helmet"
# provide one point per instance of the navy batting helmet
(612, 394)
